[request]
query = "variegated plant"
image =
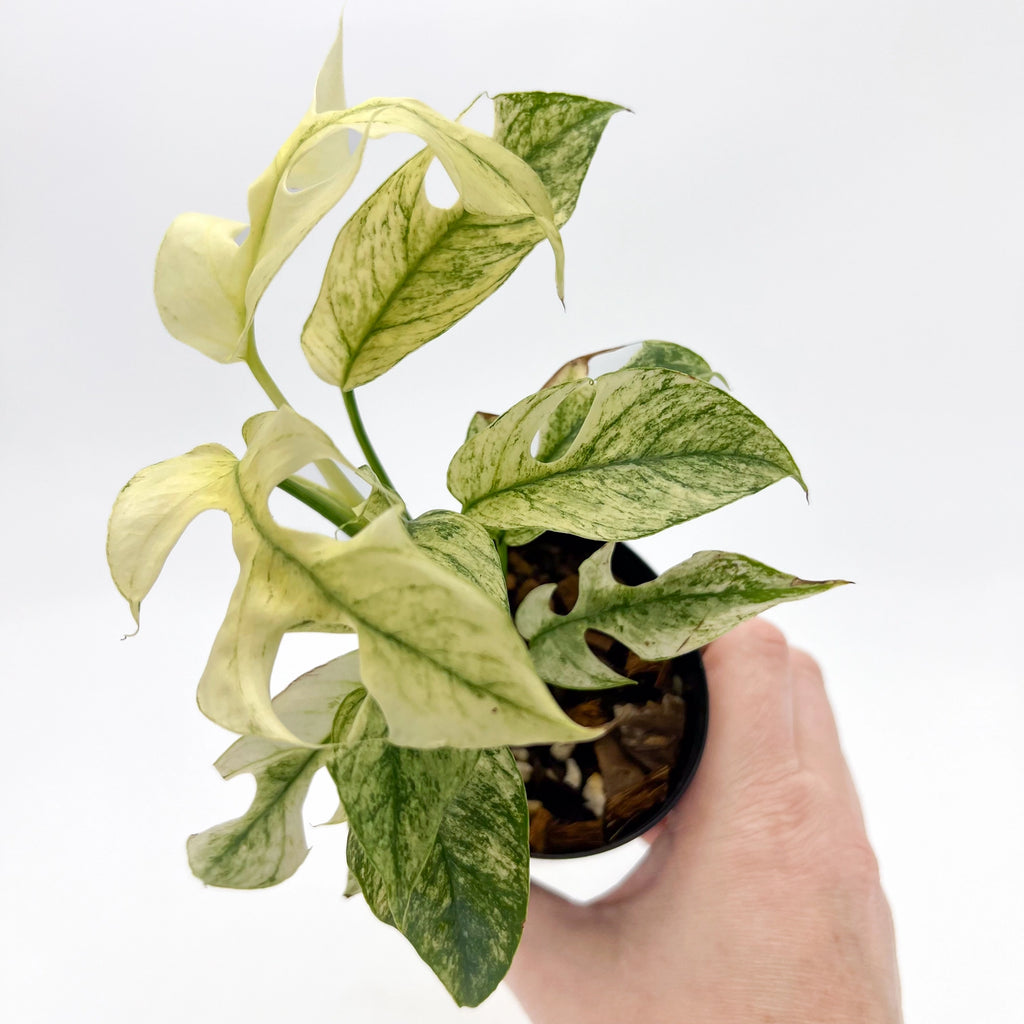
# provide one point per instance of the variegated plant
(415, 727)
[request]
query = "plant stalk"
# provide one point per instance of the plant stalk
(336, 480)
(321, 500)
(349, 398)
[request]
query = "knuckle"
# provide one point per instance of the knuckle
(797, 823)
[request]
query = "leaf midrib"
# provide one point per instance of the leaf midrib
(579, 618)
(540, 481)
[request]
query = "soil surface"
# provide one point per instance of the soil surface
(586, 796)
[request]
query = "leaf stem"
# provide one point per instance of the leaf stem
(321, 500)
(502, 545)
(349, 398)
(336, 480)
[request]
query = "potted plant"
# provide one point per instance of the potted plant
(431, 727)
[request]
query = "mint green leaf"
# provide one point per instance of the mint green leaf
(657, 448)
(685, 608)
(268, 843)
(464, 547)
(403, 271)
(443, 660)
(439, 844)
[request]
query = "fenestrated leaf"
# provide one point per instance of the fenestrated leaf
(209, 278)
(439, 844)
(685, 608)
(268, 843)
(442, 659)
(464, 547)
(559, 432)
(403, 271)
(657, 448)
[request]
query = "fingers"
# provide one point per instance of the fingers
(814, 727)
(750, 718)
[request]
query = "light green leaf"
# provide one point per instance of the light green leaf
(442, 659)
(657, 448)
(209, 278)
(268, 843)
(685, 608)
(439, 843)
(403, 271)
(464, 547)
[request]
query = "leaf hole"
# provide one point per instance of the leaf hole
(439, 188)
(558, 434)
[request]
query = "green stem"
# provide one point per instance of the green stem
(321, 500)
(349, 398)
(502, 545)
(336, 480)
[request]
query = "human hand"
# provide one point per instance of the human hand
(759, 899)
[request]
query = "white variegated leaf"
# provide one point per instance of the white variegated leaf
(268, 843)
(209, 278)
(683, 609)
(439, 844)
(440, 656)
(403, 271)
(656, 448)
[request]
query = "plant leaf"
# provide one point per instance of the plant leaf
(657, 448)
(685, 608)
(439, 844)
(403, 271)
(209, 278)
(444, 662)
(268, 843)
(464, 547)
(558, 434)
(647, 353)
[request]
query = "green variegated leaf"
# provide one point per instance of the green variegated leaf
(657, 448)
(480, 421)
(440, 657)
(380, 500)
(671, 356)
(558, 434)
(403, 271)
(683, 609)
(439, 844)
(211, 272)
(464, 547)
(268, 843)
(666, 354)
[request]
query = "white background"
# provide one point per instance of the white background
(824, 199)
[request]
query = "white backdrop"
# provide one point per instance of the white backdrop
(825, 200)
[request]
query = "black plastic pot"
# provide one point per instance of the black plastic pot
(688, 682)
